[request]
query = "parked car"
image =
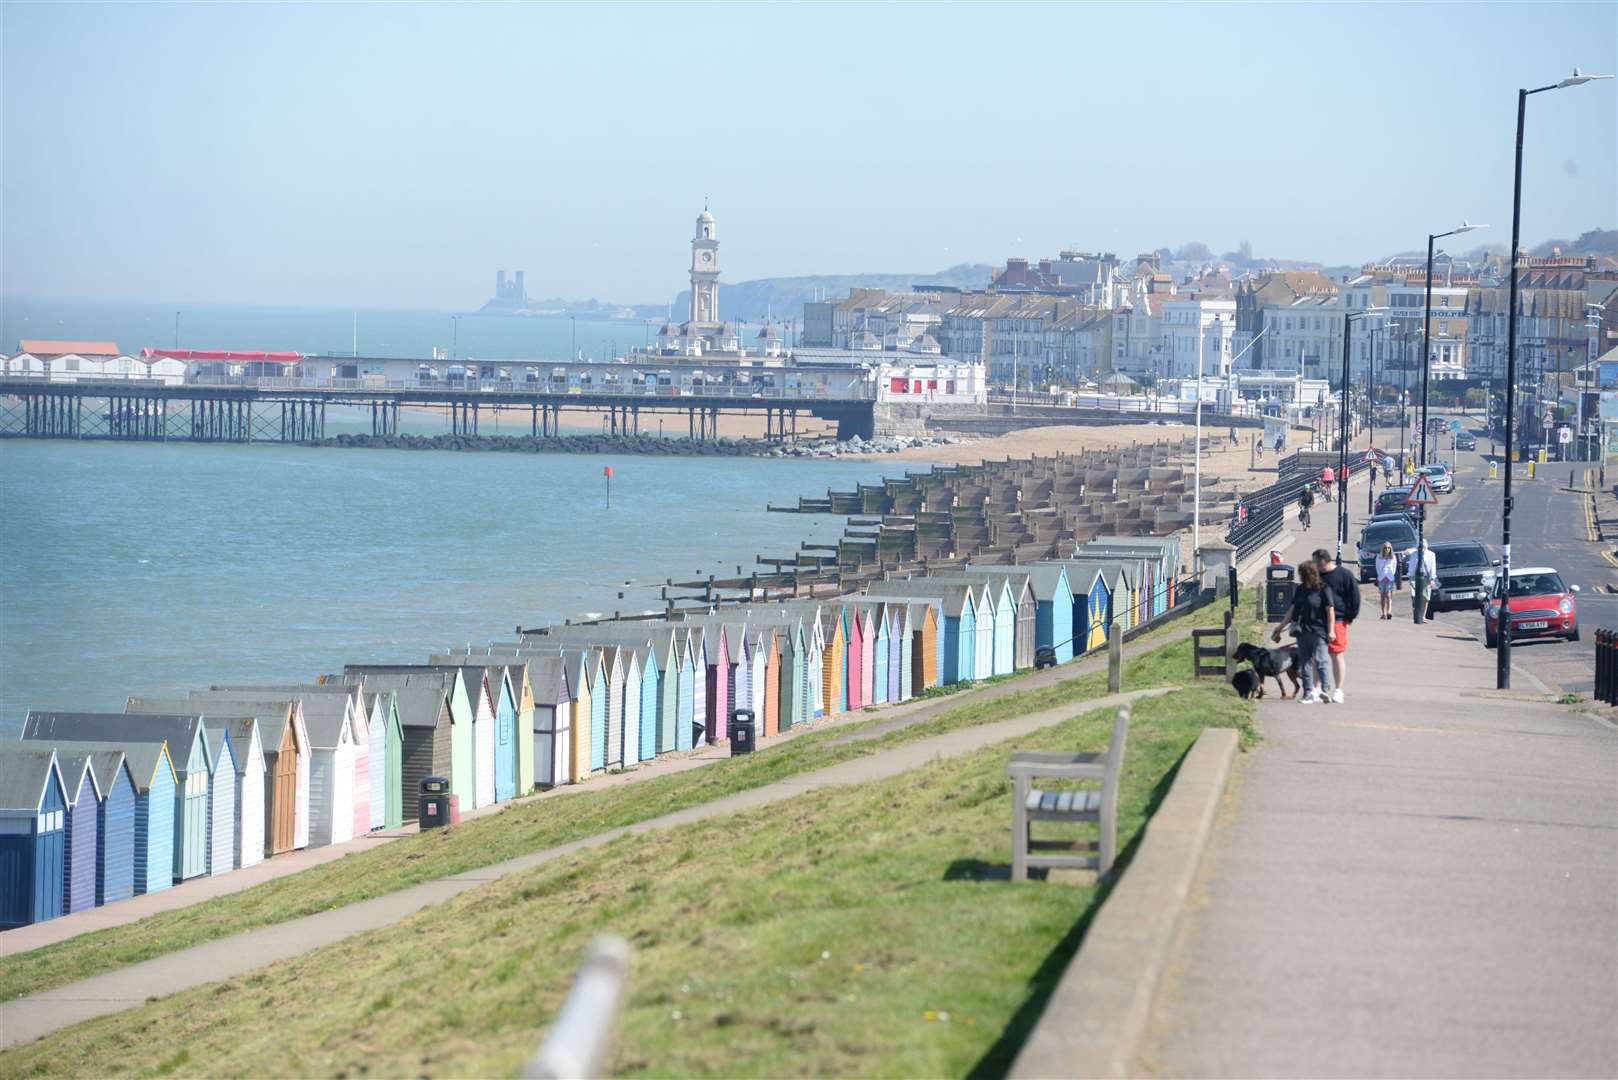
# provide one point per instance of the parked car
(1401, 534)
(1465, 440)
(1542, 605)
(1394, 515)
(1465, 575)
(1397, 500)
(1439, 476)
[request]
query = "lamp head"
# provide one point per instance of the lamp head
(1579, 78)
(1466, 227)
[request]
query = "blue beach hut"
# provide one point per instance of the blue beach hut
(115, 828)
(1053, 599)
(83, 825)
(33, 835)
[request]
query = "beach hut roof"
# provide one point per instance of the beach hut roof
(323, 717)
(421, 706)
(24, 772)
(107, 764)
(549, 676)
(1046, 580)
(75, 763)
(142, 758)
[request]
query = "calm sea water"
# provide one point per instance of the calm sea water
(151, 569)
(316, 330)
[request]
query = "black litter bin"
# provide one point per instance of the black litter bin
(1278, 589)
(434, 802)
(741, 732)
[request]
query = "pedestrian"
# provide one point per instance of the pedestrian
(1310, 617)
(1233, 434)
(1421, 590)
(1344, 587)
(1387, 577)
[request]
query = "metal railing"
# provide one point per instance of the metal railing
(1211, 412)
(516, 386)
(1261, 514)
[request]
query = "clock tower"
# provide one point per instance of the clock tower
(704, 272)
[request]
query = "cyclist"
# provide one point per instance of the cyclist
(1327, 479)
(1306, 499)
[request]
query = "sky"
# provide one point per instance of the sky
(397, 155)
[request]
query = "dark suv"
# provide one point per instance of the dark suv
(1401, 534)
(1465, 575)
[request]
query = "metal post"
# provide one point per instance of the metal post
(1426, 346)
(1502, 660)
(1342, 449)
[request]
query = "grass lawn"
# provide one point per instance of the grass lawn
(538, 825)
(860, 930)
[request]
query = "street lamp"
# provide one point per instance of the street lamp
(1342, 419)
(1427, 323)
(1502, 671)
(1196, 500)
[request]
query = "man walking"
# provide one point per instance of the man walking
(1421, 596)
(1343, 586)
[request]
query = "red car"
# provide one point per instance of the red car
(1542, 606)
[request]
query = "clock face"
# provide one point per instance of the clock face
(707, 256)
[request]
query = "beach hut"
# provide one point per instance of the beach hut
(385, 736)
(115, 828)
(82, 833)
(426, 730)
(505, 732)
(666, 648)
(552, 749)
(222, 808)
(881, 637)
(461, 699)
(1092, 604)
(33, 835)
(924, 647)
(687, 709)
(697, 652)
(833, 661)
(579, 677)
(644, 670)
(480, 697)
(718, 682)
(522, 695)
(247, 751)
(854, 629)
(899, 659)
(803, 617)
(1053, 599)
(287, 762)
(614, 664)
(1163, 552)
(1015, 615)
(331, 774)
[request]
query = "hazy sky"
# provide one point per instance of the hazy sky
(396, 155)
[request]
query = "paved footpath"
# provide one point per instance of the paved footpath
(1422, 881)
(29, 1018)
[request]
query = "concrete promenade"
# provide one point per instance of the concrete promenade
(1422, 881)
(29, 1018)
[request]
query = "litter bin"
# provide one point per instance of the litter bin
(434, 802)
(741, 732)
(1278, 589)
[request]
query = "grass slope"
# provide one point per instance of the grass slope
(863, 930)
(534, 826)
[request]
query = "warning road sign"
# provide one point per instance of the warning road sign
(1421, 492)
(1370, 457)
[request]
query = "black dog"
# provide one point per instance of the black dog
(1271, 664)
(1246, 683)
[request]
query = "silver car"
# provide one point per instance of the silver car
(1440, 477)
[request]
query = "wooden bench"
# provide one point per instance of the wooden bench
(1100, 805)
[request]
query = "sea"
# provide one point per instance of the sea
(152, 569)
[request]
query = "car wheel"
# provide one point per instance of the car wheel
(1574, 635)
(1489, 640)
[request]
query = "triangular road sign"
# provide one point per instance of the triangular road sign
(1421, 492)
(1370, 457)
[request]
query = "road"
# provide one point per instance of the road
(1550, 527)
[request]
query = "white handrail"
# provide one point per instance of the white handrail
(580, 1039)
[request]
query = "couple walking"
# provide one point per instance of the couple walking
(1325, 602)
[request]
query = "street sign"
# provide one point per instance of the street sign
(1564, 434)
(1421, 493)
(1455, 425)
(1370, 457)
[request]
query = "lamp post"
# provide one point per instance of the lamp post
(1502, 671)
(1196, 500)
(1342, 434)
(1427, 323)
(1418, 610)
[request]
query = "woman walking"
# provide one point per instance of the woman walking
(1387, 577)
(1312, 620)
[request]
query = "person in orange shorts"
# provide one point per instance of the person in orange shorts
(1344, 587)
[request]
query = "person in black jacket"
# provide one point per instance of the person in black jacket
(1344, 586)
(1312, 619)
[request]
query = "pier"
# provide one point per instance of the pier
(246, 409)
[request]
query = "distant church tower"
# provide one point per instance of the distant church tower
(704, 272)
